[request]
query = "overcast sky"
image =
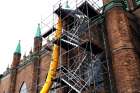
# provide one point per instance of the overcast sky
(18, 21)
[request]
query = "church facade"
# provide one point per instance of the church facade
(27, 75)
(99, 53)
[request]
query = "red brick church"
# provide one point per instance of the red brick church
(99, 52)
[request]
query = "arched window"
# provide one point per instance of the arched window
(23, 88)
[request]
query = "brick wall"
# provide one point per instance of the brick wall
(24, 74)
(5, 84)
(44, 67)
(124, 58)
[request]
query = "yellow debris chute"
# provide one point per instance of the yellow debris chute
(54, 61)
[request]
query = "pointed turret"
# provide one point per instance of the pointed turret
(30, 52)
(18, 48)
(16, 56)
(7, 67)
(14, 65)
(67, 5)
(24, 56)
(38, 33)
(36, 60)
(38, 39)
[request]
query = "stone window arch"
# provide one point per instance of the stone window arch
(23, 88)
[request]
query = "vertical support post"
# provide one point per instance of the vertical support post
(13, 73)
(14, 68)
(36, 60)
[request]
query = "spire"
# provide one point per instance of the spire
(67, 4)
(18, 48)
(38, 33)
(7, 67)
(31, 51)
(24, 56)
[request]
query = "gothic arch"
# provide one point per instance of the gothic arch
(23, 88)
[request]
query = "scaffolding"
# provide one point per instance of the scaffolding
(81, 67)
(83, 62)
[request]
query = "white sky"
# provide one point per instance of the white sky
(18, 21)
